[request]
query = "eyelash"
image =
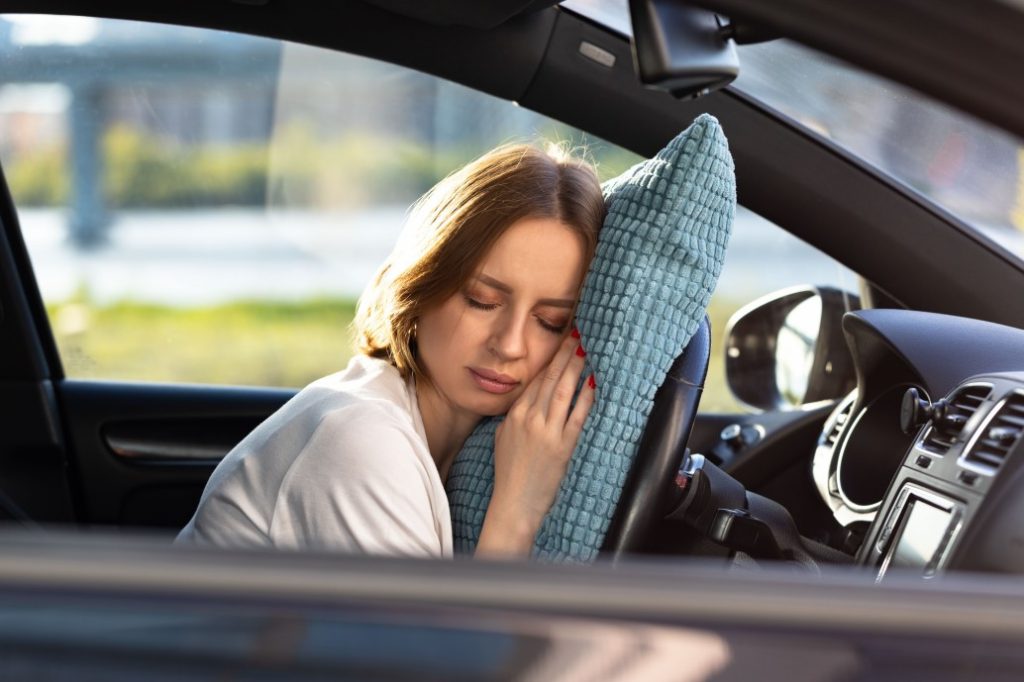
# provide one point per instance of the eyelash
(473, 303)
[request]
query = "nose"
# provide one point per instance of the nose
(508, 338)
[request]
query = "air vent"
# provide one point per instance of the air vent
(1000, 435)
(837, 427)
(964, 403)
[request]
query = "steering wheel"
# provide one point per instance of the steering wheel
(650, 485)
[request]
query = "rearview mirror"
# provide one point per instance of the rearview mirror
(682, 49)
(788, 349)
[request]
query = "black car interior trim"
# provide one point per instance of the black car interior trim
(911, 41)
(33, 465)
(463, 12)
(940, 495)
(183, 441)
(161, 419)
(19, 319)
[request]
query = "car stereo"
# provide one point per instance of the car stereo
(918, 532)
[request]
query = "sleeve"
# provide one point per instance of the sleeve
(359, 485)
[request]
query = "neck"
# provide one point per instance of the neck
(446, 427)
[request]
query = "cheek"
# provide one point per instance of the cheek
(546, 345)
(442, 329)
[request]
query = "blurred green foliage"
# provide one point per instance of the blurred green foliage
(254, 343)
(142, 171)
(352, 170)
(298, 168)
(39, 179)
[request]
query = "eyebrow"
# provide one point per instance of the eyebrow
(501, 286)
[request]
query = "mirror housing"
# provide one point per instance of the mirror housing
(788, 349)
(682, 49)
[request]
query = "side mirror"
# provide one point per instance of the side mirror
(788, 349)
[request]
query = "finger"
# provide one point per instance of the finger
(554, 376)
(578, 416)
(546, 380)
(560, 399)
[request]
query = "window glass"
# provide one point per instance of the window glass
(206, 207)
(762, 258)
(972, 169)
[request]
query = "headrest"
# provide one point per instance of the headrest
(657, 261)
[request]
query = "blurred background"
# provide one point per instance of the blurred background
(206, 207)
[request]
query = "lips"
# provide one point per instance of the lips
(492, 382)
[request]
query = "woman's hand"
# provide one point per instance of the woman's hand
(532, 448)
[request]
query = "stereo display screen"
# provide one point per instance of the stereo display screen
(923, 529)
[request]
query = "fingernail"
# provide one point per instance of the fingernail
(591, 382)
(580, 352)
(575, 333)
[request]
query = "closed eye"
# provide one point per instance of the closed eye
(480, 305)
(473, 303)
(554, 329)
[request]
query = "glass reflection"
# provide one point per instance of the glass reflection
(794, 351)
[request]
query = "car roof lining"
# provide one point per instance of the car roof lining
(537, 63)
(472, 13)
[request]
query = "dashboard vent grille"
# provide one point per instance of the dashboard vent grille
(964, 403)
(837, 427)
(1000, 435)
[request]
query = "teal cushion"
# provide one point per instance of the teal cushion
(658, 259)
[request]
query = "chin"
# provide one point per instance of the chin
(494, 411)
(493, 406)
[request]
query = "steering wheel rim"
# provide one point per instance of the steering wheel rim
(649, 487)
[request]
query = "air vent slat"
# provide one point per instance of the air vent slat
(1013, 420)
(940, 437)
(990, 458)
(837, 427)
(1001, 434)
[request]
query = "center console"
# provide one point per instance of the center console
(958, 478)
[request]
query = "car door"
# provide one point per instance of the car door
(263, 154)
(194, 214)
(191, 224)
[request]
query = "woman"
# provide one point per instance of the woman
(469, 317)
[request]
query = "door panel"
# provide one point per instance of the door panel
(142, 452)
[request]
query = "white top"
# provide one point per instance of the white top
(344, 466)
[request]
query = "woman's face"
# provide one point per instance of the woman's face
(484, 345)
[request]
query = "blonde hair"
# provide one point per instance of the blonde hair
(453, 226)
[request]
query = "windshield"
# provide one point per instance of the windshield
(973, 170)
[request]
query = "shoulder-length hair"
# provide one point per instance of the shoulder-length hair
(452, 227)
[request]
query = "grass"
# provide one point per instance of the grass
(243, 343)
(252, 343)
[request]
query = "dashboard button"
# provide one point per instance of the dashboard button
(924, 462)
(967, 477)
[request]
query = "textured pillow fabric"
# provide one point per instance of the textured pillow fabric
(658, 258)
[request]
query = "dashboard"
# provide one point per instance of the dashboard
(924, 459)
